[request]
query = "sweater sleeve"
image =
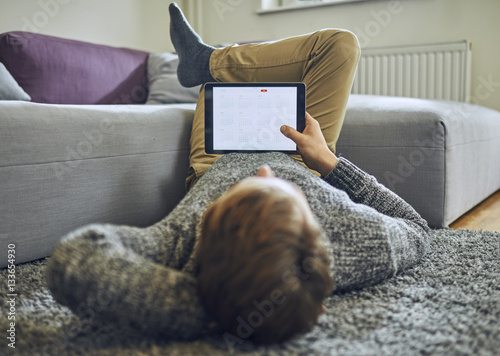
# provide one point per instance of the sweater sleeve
(140, 276)
(392, 228)
(364, 189)
(111, 273)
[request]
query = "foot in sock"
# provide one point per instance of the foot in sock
(194, 55)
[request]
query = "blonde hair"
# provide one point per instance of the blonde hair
(262, 271)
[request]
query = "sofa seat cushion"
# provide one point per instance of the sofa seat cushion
(61, 71)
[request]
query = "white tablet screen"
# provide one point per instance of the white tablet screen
(249, 118)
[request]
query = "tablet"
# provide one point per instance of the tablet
(246, 117)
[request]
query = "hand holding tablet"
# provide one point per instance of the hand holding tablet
(246, 117)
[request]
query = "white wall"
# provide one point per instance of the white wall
(377, 23)
(139, 24)
(144, 24)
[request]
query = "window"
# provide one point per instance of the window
(285, 5)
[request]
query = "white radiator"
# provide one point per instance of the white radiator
(434, 71)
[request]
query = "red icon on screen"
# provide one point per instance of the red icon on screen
(263, 90)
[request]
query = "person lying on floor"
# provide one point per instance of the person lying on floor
(260, 240)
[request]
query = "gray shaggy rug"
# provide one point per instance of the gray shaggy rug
(449, 304)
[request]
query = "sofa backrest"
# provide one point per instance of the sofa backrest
(61, 71)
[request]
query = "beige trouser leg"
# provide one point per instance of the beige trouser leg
(325, 61)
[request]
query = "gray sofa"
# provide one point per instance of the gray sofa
(64, 165)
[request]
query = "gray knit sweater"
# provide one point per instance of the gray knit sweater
(145, 277)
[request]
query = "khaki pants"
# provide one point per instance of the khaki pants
(325, 61)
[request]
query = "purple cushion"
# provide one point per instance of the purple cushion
(60, 71)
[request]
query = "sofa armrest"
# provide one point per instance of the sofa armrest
(64, 166)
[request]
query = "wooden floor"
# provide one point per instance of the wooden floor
(485, 216)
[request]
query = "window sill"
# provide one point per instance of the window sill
(304, 7)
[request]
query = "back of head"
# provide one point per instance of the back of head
(262, 271)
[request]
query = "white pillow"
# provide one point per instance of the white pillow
(9, 89)
(164, 87)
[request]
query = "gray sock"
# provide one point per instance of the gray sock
(194, 55)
